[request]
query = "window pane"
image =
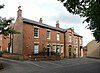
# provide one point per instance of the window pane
(80, 41)
(58, 36)
(54, 48)
(48, 34)
(70, 39)
(61, 49)
(36, 48)
(36, 32)
(76, 41)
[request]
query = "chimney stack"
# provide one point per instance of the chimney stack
(19, 12)
(57, 24)
(40, 21)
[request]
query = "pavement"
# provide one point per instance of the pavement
(78, 65)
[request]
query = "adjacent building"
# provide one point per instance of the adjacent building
(37, 37)
(93, 49)
(4, 42)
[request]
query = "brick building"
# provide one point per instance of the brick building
(93, 49)
(4, 42)
(37, 37)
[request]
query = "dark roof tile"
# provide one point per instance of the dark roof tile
(42, 25)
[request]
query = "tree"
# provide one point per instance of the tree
(1, 6)
(90, 9)
(5, 25)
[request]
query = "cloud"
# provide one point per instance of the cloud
(67, 18)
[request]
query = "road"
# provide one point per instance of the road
(78, 65)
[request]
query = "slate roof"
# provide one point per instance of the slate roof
(25, 20)
(42, 25)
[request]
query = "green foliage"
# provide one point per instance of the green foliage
(1, 53)
(6, 26)
(90, 9)
(1, 6)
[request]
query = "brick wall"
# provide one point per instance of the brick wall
(18, 38)
(29, 39)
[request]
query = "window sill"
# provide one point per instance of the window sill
(48, 38)
(36, 37)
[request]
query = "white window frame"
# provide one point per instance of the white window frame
(62, 49)
(58, 36)
(36, 48)
(76, 40)
(48, 37)
(38, 33)
(54, 48)
(80, 41)
(70, 38)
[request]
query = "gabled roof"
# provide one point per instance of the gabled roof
(25, 20)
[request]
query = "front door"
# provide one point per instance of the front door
(70, 52)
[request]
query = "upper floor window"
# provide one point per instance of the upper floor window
(48, 34)
(58, 36)
(70, 38)
(80, 41)
(36, 32)
(76, 41)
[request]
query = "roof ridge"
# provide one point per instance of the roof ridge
(42, 24)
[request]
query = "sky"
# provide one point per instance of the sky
(50, 11)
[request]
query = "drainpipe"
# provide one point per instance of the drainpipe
(64, 45)
(12, 42)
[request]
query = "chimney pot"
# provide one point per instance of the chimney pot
(40, 21)
(19, 12)
(57, 24)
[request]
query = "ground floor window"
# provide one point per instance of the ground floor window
(54, 48)
(61, 49)
(36, 48)
(58, 49)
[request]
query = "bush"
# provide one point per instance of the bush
(1, 53)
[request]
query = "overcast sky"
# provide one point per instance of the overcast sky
(50, 11)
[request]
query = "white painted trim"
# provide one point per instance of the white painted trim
(36, 27)
(38, 34)
(36, 42)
